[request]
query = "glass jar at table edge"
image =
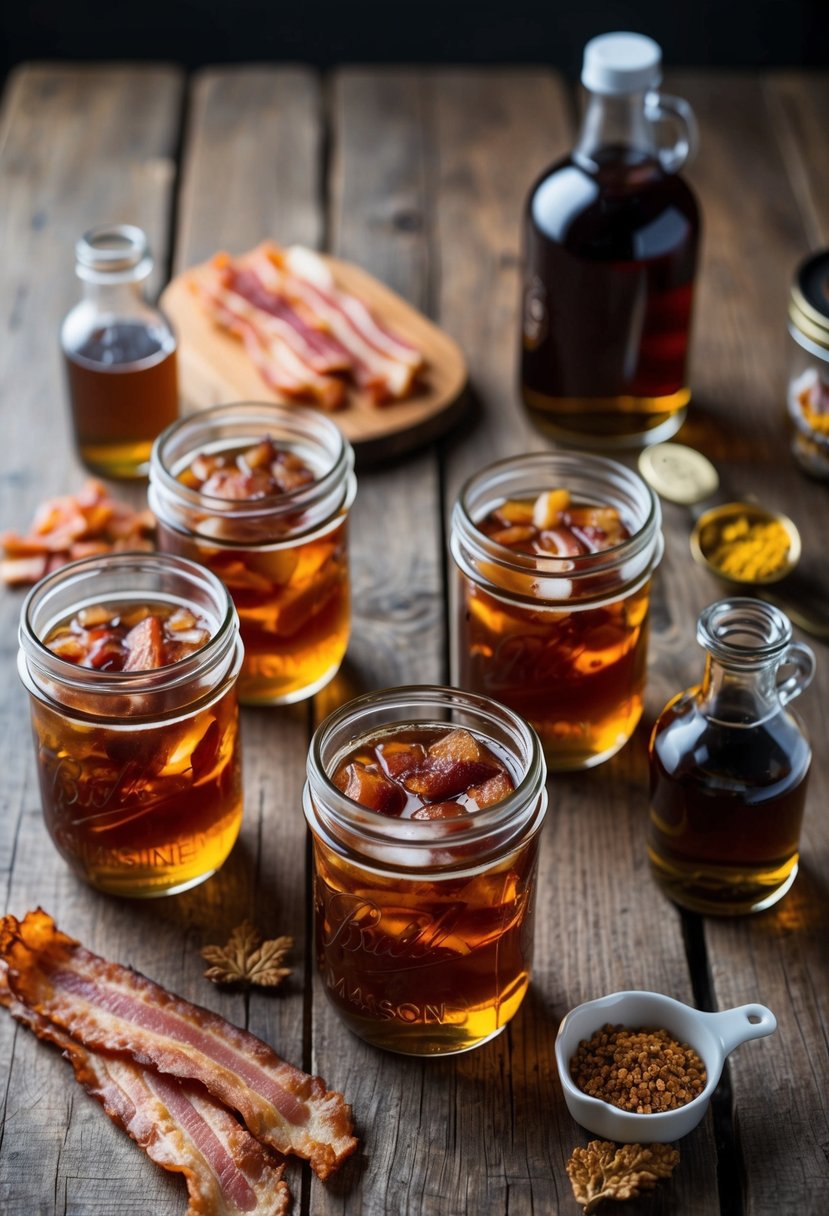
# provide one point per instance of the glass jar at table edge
(139, 771)
(284, 557)
(560, 640)
(424, 928)
(119, 354)
(729, 765)
(807, 392)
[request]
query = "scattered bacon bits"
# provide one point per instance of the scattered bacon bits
(553, 525)
(70, 527)
(642, 1071)
(423, 775)
(247, 959)
(307, 338)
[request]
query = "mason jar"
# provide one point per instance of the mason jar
(139, 770)
(808, 386)
(283, 556)
(561, 640)
(424, 926)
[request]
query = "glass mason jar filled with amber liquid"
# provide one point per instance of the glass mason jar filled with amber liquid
(260, 494)
(130, 662)
(425, 806)
(555, 553)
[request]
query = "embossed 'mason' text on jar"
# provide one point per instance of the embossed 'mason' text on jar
(424, 925)
(558, 634)
(139, 767)
(281, 552)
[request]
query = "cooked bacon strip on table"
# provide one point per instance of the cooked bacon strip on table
(70, 527)
(177, 1124)
(301, 331)
(108, 1007)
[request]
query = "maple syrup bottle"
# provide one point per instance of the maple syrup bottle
(610, 254)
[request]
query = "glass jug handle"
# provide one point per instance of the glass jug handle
(662, 108)
(802, 658)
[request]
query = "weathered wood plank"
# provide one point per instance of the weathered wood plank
(78, 146)
(763, 210)
(600, 926)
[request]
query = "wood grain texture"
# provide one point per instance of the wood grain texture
(763, 209)
(79, 146)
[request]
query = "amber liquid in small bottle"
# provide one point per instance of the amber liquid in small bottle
(726, 809)
(610, 256)
(123, 391)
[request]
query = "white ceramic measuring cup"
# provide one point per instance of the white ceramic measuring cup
(712, 1035)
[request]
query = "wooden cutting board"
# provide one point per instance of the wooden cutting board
(214, 368)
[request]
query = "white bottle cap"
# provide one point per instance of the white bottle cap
(621, 63)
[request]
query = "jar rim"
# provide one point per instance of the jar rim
(383, 830)
(88, 679)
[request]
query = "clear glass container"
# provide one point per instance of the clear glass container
(424, 927)
(139, 771)
(610, 252)
(560, 640)
(283, 557)
(808, 386)
(729, 766)
(119, 354)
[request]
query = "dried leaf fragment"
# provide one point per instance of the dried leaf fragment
(246, 959)
(609, 1171)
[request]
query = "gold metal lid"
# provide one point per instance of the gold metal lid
(678, 473)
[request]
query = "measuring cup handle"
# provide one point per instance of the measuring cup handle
(802, 658)
(662, 107)
(735, 1026)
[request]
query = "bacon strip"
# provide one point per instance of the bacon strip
(177, 1124)
(107, 1007)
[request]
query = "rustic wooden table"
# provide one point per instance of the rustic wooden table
(420, 176)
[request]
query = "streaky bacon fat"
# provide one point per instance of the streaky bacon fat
(109, 1007)
(177, 1123)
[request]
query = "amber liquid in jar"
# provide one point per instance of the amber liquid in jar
(610, 257)
(123, 391)
(577, 674)
(142, 808)
(429, 964)
(293, 599)
(726, 809)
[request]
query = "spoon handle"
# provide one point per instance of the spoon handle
(735, 1026)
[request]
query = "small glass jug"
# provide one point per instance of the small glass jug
(729, 766)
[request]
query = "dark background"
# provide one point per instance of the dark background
(751, 33)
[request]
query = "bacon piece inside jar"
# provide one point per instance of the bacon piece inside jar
(260, 470)
(422, 772)
(132, 637)
(554, 525)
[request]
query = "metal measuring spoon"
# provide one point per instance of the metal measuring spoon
(683, 475)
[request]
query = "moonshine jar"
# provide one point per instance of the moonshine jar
(552, 620)
(424, 925)
(280, 548)
(138, 757)
(808, 386)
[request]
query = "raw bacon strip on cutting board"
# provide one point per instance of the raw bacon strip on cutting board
(109, 1007)
(177, 1124)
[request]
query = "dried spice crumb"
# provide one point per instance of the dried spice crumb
(246, 959)
(609, 1171)
(644, 1071)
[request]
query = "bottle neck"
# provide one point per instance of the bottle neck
(739, 696)
(615, 129)
(118, 298)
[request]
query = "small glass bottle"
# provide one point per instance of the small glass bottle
(424, 927)
(729, 764)
(120, 355)
(610, 254)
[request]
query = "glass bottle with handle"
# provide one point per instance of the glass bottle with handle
(611, 235)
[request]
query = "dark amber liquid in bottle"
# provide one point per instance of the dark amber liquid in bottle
(123, 391)
(610, 257)
(726, 808)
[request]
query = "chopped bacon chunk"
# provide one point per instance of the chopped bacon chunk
(108, 1007)
(177, 1123)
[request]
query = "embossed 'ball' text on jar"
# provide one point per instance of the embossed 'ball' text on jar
(560, 639)
(424, 926)
(139, 768)
(282, 555)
